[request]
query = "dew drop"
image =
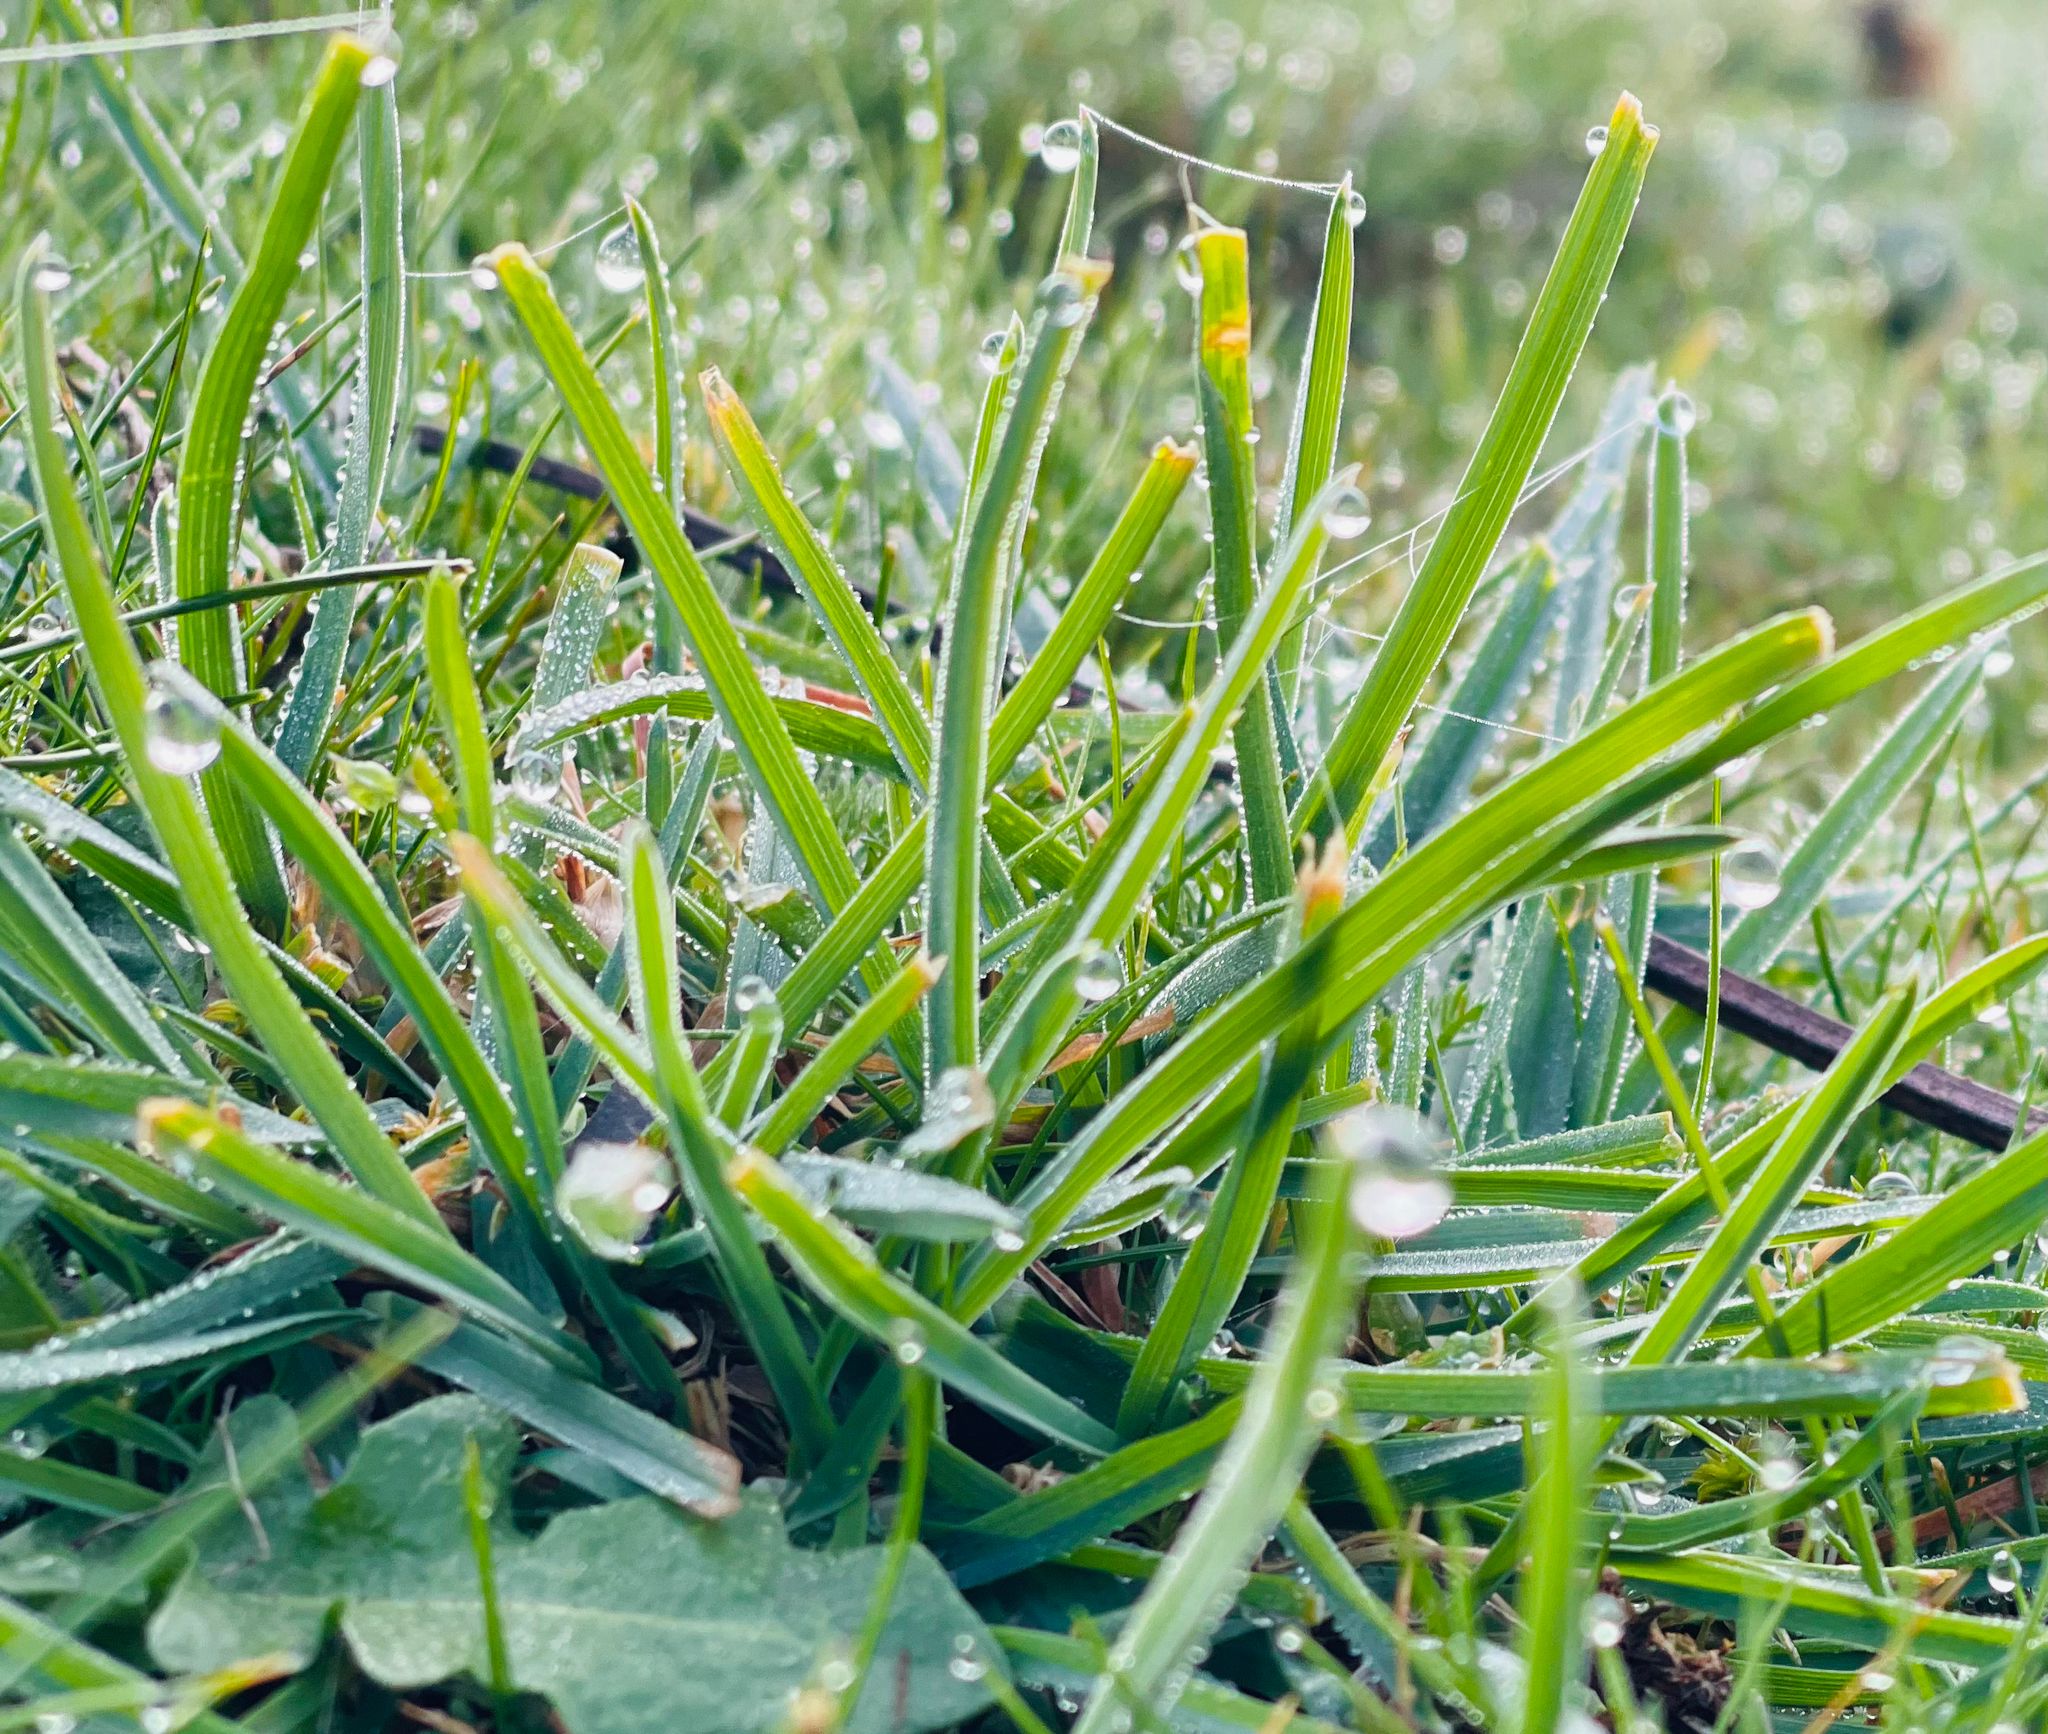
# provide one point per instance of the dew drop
(378, 71)
(1187, 267)
(51, 275)
(1606, 1619)
(1596, 140)
(1354, 207)
(1348, 515)
(2003, 1573)
(994, 350)
(1098, 977)
(1676, 414)
(752, 995)
(180, 738)
(618, 263)
(1059, 147)
(483, 275)
(1395, 1189)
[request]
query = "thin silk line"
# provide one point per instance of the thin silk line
(201, 36)
(548, 252)
(1204, 163)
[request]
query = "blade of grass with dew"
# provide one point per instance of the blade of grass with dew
(175, 813)
(704, 1148)
(1559, 325)
(959, 732)
(771, 761)
(373, 425)
(667, 405)
(840, 611)
(1553, 1590)
(1249, 1491)
(1319, 396)
(1223, 350)
(843, 1272)
(311, 1204)
(1541, 816)
(209, 469)
(1211, 1277)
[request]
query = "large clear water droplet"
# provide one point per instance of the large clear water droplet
(2003, 1573)
(1059, 147)
(1347, 515)
(179, 736)
(1395, 1189)
(1596, 140)
(1354, 207)
(1676, 414)
(619, 265)
(1098, 977)
(378, 71)
(994, 347)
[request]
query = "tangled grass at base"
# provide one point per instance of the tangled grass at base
(644, 1092)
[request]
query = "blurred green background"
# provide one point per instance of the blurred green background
(1839, 253)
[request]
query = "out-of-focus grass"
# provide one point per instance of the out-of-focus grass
(1840, 263)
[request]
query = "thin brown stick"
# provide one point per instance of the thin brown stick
(1928, 1093)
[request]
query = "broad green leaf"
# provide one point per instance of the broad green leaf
(613, 1651)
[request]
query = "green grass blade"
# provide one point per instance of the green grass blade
(974, 608)
(175, 814)
(843, 1271)
(840, 611)
(1223, 371)
(209, 473)
(1553, 1582)
(373, 425)
(1319, 395)
(351, 1222)
(1558, 327)
(763, 744)
(1252, 1485)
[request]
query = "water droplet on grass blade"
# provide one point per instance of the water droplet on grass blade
(1961, 1360)
(483, 275)
(993, 349)
(1354, 207)
(1187, 266)
(618, 263)
(2003, 1573)
(1676, 414)
(378, 71)
(1059, 147)
(1890, 1184)
(180, 737)
(609, 1195)
(1098, 977)
(1606, 1619)
(1596, 140)
(752, 995)
(51, 275)
(922, 125)
(1395, 1189)
(1348, 515)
